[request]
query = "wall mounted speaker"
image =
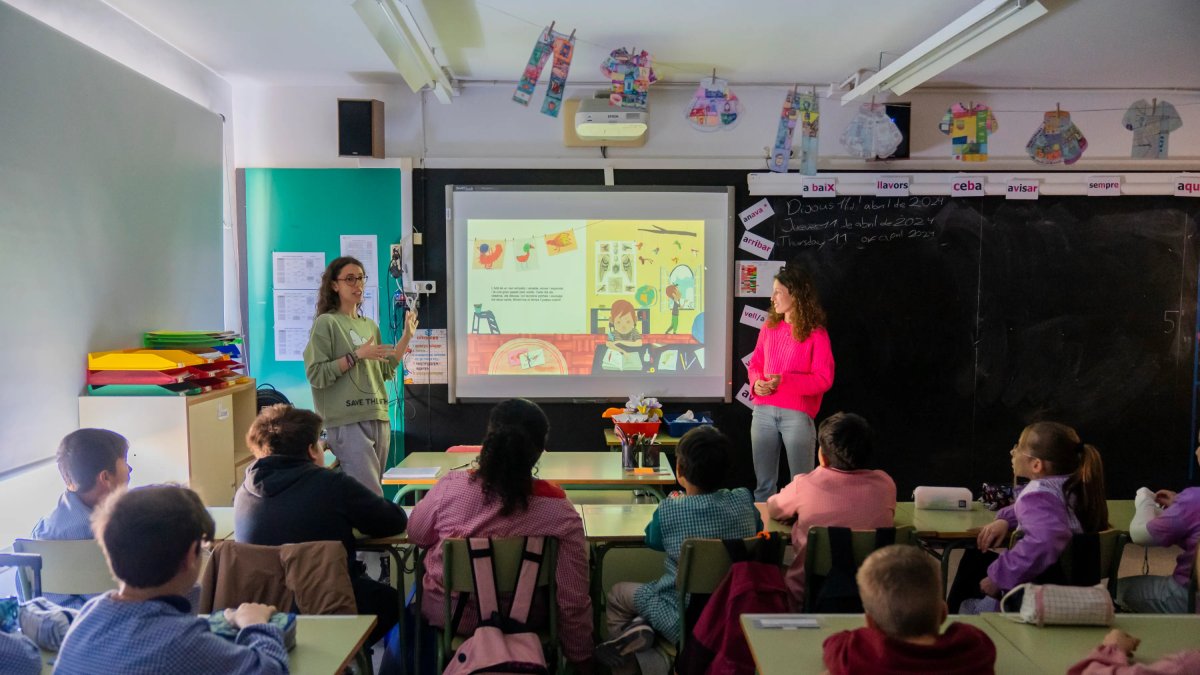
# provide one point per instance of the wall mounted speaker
(360, 128)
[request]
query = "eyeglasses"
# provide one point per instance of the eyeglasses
(353, 281)
(1014, 453)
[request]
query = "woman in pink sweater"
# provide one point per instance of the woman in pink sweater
(790, 370)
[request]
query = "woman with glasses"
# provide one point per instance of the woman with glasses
(348, 366)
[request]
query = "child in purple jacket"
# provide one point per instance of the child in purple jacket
(1163, 518)
(1064, 497)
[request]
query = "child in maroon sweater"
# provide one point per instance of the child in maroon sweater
(901, 591)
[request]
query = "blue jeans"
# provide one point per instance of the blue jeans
(769, 425)
(1149, 594)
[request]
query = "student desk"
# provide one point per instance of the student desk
(784, 652)
(1053, 649)
(324, 644)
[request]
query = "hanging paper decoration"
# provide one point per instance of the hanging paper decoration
(1057, 141)
(1151, 123)
(809, 117)
(872, 133)
(782, 150)
(714, 106)
(631, 76)
(563, 48)
(968, 128)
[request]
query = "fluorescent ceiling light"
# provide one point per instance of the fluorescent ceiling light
(984, 25)
(396, 30)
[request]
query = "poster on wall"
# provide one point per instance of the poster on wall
(753, 278)
(295, 278)
(293, 270)
(426, 359)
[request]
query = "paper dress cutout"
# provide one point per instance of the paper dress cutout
(631, 76)
(714, 106)
(1151, 123)
(1057, 141)
(871, 133)
(968, 129)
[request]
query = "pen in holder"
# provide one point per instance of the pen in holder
(638, 450)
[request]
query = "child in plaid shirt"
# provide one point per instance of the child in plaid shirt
(152, 538)
(636, 611)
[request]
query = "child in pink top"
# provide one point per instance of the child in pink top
(1114, 656)
(790, 370)
(839, 493)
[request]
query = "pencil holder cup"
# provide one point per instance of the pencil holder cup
(650, 456)
(629, 455)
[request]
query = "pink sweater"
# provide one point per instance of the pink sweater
(805, 368)
(860, 500)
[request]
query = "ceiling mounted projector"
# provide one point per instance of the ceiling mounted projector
(596, 120)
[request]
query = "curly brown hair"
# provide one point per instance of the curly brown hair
(808, 315)
(327, 298)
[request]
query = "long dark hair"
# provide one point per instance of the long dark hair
(516, 437)
(1059, 446)
(327, 298)
(807, 315)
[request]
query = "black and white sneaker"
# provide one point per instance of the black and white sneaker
(617, 651)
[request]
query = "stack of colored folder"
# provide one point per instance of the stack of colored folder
(173, 364)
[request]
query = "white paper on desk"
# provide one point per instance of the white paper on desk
(787, 622)
(365, 247)
(296, 270)
(404, 472)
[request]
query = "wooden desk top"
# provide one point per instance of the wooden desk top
(1056, 648)
(324, 644)
(560, 468)
(785, 652)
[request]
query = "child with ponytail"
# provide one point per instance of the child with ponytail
(501, 498)
(1064, 497)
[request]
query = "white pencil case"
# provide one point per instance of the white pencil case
(942, 498)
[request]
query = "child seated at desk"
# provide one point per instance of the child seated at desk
(18, 655)
(841, 492)
(289, 497)
(501, 498)
(93, 464)
(1114, 656)
(153, 538)
(636, 611)
(901, 590)
(1178, 523)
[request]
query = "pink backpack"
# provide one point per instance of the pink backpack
(501, 644)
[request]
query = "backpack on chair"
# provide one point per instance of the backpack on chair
(753, 585)
(837, 593)
(501, 644)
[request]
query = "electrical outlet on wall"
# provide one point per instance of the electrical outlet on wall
(425, 286)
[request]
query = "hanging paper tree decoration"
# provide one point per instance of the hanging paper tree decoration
(871, 133)
(1057, 141)
(563, 48)
(968, 128)
(714, 106)
(781, 152)
(631, 76)
(1151, 123)
(810, 116)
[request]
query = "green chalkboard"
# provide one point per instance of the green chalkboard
(308, 210)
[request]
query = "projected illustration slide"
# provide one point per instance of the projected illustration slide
(585, 297)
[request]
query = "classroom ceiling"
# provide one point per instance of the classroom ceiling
(1079, 44)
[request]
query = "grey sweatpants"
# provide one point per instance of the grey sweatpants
(362, 450)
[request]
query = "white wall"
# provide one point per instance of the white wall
(26, 496)
(296, 126)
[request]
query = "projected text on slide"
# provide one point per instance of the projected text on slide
(585, 297)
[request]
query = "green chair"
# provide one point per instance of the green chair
(507, 553)
(1108, 545)
(69, 567)
(818, 555)
(703, 563)
(25, 561)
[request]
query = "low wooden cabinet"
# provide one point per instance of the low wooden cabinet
(198, 441)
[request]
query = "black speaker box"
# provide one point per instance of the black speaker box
(360, 128)
(901, 115)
